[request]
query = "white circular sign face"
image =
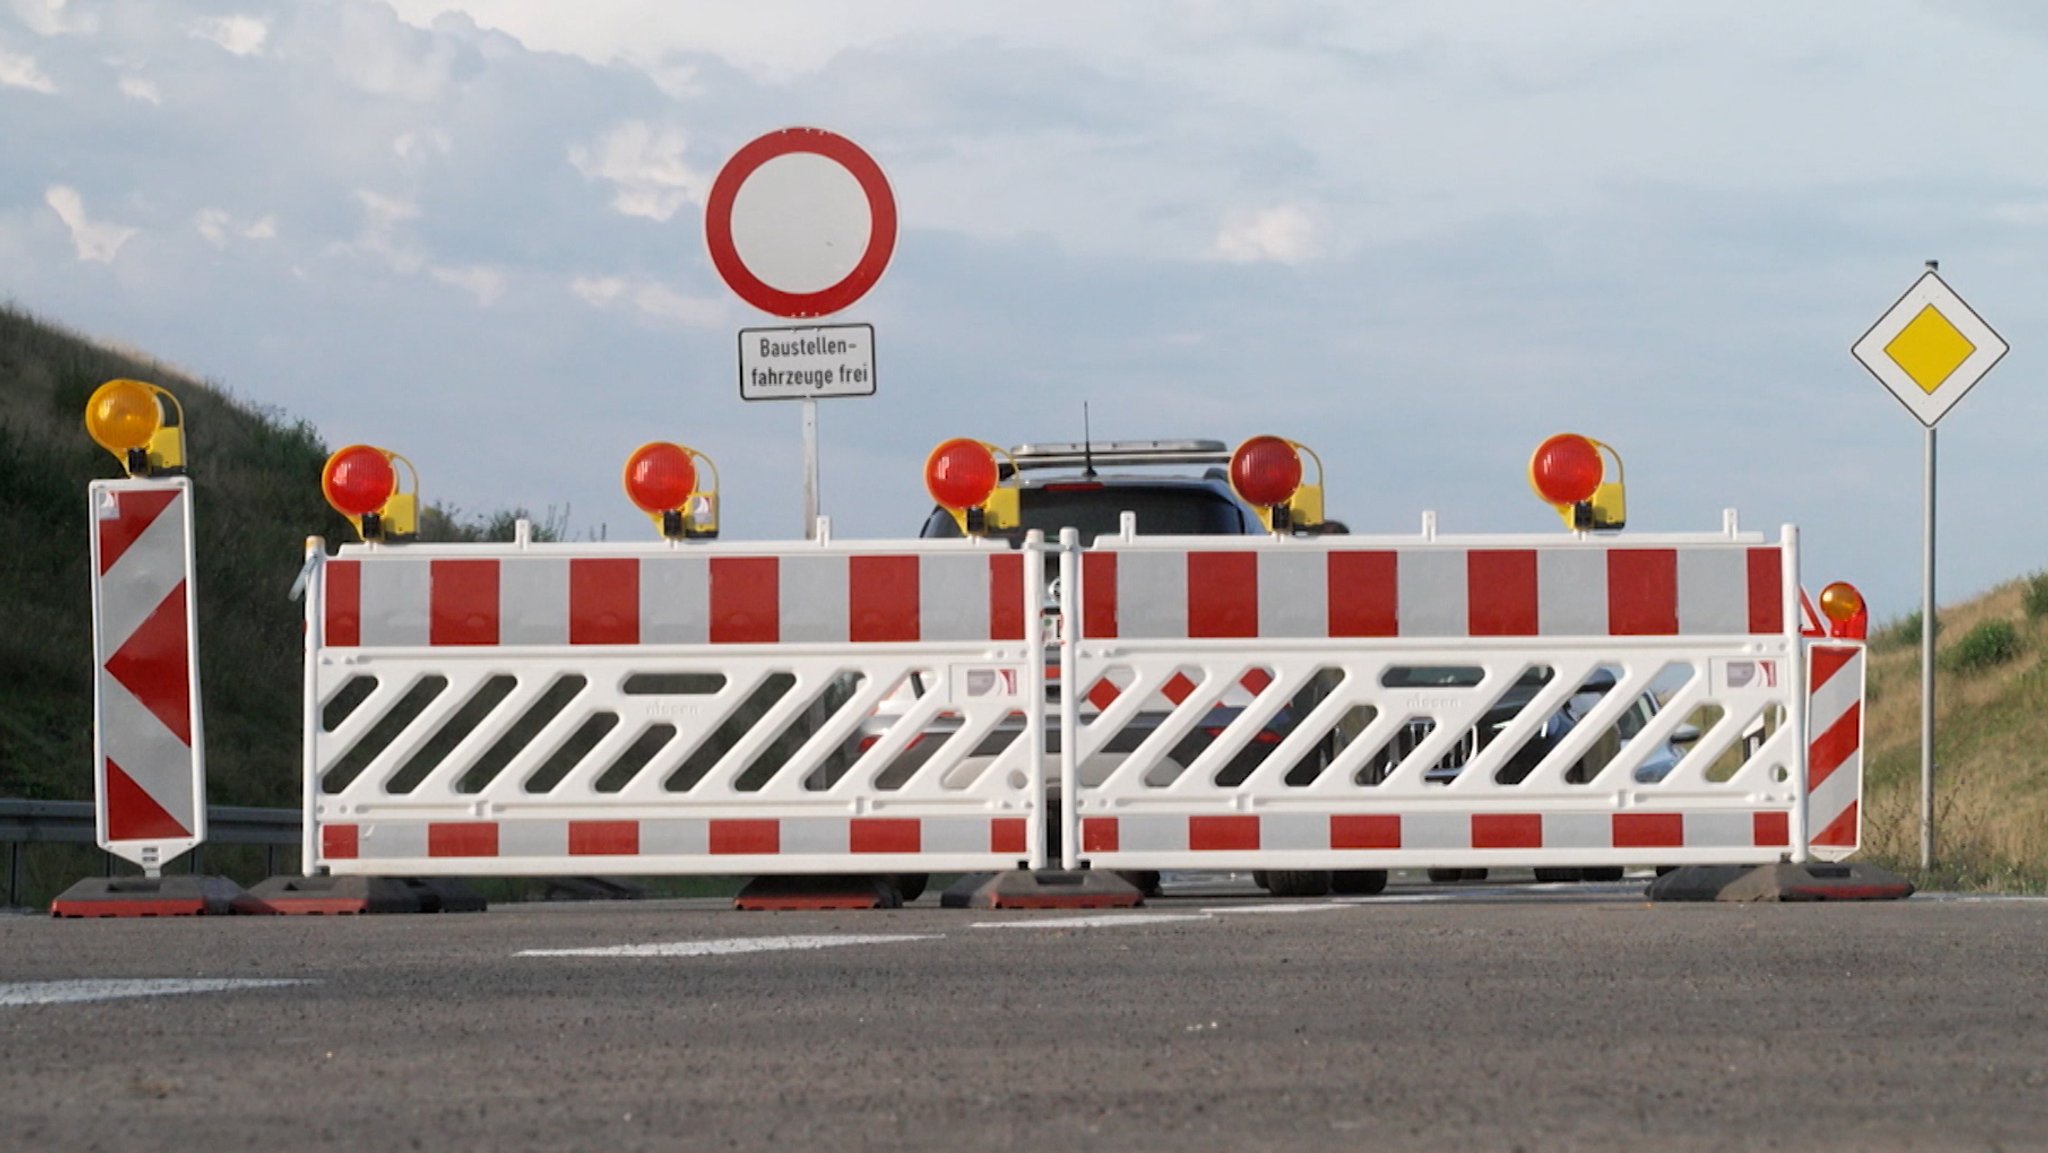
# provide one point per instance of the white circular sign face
(801, 222)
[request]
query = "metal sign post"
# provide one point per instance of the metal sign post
(801, 223)
(1928, 349)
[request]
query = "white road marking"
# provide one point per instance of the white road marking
(76, 992)
(1102, 921)
(728, 946)
(1233, 909)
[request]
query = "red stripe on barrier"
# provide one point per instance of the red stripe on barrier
(155, 664)
(1006, 597)
(1833, 748)
(1103, 694)
(604, 601)
(464, 603)
(1359, 831)
(134, 815)
(1223, 834)
(1766, 591)
(1771, 830)
(882, 598)
(1365, 594)
(604, 838)
(745, 838)
(462, 839)
(1099, 834)
(1006, 835)
(344, 624)
(1642, 592)
(1223, 594)
(1507, 831)
(1098, 579)
(1840, 832)
(746, 601)
(1649, 830)
(340, 842)
(1500, 592)
(1256, 680)
(1175, 689)
(885, 835)
(1827, 660)
(135, 511)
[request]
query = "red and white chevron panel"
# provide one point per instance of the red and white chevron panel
(151, 775)
(1834, 756)
(1432, 835)
(786, 844)
(681, 597)
(1593, 589)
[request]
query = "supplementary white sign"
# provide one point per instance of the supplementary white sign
(1929, 349)
(807, 363)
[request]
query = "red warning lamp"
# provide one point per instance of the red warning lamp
(1569, 472)
(1265, 470)
(961, 473)
(361, 482)
(661, 481)
(1848, 617)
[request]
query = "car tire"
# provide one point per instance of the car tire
(1358, 882)
(1146, 881)
(1550, 876)
(1604, 873)
(910, 886)
(1446, 876)
(1259, 879)
(1298, 882)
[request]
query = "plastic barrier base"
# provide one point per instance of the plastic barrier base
(785, 894)
(1047, 889)
(1851, 881)
(351, 896)
(179, 895)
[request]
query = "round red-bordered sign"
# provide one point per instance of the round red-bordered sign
(725, 190)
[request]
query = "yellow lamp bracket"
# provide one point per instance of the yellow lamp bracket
(399, 519)
(998, 512)
(141, 424)
(1302, 512)
(697, 517)
(1607, 511)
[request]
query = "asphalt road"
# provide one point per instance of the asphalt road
(1504, 1017)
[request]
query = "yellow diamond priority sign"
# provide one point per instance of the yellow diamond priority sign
(1929, 349)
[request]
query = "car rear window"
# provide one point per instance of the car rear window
(1096, 510)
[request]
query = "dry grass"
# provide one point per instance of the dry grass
(1991, 727)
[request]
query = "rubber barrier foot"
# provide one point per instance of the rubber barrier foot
(353, 896)
(178, 895)
(1046, 889)
(1849, 881)
(783, 894)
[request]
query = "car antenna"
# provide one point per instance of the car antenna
(1087, 445)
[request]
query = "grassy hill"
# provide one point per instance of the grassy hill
(257, 471)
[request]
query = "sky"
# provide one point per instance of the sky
(1417, 237)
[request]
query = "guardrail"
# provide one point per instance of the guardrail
(24, 822)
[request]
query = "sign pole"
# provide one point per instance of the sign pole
(1927, 672)
(810, 469)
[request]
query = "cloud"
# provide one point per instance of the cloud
(379, 236)
(141, 88)
(486, 284)
(650, 297)
(644, 165)
(241, 35)
(19, 71)
(1282, 235)
(218, 227)
(49, 18)
(95, 240)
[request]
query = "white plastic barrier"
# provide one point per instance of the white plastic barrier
(699, 708)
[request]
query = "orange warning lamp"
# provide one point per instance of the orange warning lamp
(1266, 473)
(963, 477)
(127, 418)
(362, 485)
(1568, 473)
(1848, 617)
(661, 481)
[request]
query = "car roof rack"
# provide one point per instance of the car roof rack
(1120, 453)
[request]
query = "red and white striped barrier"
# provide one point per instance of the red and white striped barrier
(1834, 761)
(148, 755)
